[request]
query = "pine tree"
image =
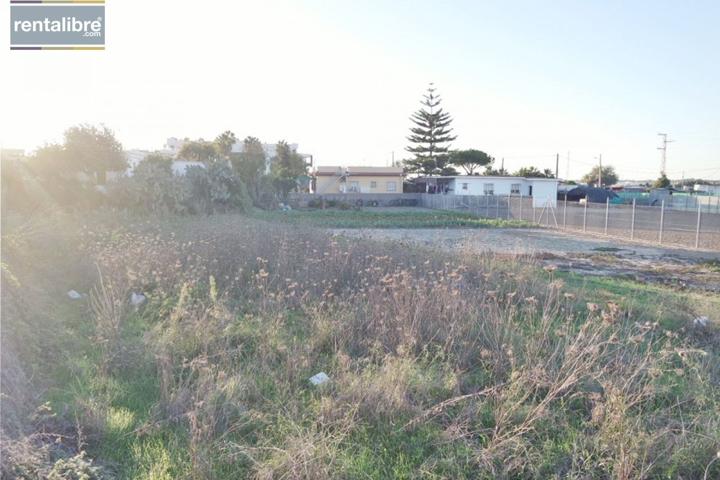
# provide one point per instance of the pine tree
(430, 138)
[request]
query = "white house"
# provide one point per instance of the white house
(542, 190)
(709, 189)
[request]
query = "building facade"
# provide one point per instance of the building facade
(542, 190)
(327, 180)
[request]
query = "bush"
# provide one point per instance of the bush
(152, 188)
(216, 188)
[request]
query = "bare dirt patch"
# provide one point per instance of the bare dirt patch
(680, 268)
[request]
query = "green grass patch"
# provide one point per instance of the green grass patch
(380, 218)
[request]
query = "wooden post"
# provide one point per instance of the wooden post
(697, 229)
(632, 222)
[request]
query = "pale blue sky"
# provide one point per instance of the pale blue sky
(523, 79)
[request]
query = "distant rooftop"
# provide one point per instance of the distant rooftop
(482, 177)
(364, 171)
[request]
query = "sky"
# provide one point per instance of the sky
(523, 80)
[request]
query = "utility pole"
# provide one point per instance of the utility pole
(502, 166)
(557, 165)
(567, 167)
(600, 172)
(665, 142)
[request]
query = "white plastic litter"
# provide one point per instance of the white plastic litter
(319, 378)
(74, 295)
(137, 299)
(701, 321)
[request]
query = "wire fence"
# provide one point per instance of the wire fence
(654, 224)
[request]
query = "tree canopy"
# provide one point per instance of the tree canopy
(533, 172)
(430, 138)
(250, 165)
(93, 150)
(287, 166)
(470, 160)
(224, 143)
(88, 149)
(199, 151)
(662, 182)
(609, 177)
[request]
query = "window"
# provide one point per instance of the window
(373, 184)
(391, 186)
(488, 189)
(515, 189)
(464, 186)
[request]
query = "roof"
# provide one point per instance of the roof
(375, 170)
(486, 177)
(359, 171)
(329, 171)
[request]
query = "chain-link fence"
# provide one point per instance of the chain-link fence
(655, 224)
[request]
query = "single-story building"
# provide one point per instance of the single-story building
(327, 180)
(542, 190)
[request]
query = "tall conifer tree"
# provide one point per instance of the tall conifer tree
(430, 138)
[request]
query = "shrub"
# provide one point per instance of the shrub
(152, 187)
(216, 188)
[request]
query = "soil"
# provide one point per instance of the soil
(587, 255)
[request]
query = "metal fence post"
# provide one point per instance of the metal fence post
(565, 213)
(632, 222)
(607, 212)
(521, 206)
(585, 216)
(497, 207)
(662, 221)
(509, 198)
(532, 205)
(697, 229)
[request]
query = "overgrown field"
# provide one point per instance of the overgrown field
(408, 217)
(440, 365)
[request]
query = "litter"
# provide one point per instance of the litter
(701, 321)
(319, 378)
(137, 299)
(74, 295)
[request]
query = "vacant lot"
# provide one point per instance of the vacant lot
(441, 364)
(574, 253)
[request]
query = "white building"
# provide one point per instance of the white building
(542, 190)
(709, 189)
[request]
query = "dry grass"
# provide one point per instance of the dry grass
(441, 366)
